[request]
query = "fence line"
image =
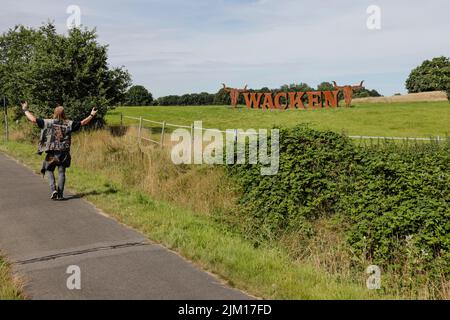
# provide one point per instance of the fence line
(166, 124)
(237, 132)
(398, 138)
(177, 126)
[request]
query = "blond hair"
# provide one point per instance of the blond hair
(59, 113)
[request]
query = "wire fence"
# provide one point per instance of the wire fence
(163, 126)
(438, 138)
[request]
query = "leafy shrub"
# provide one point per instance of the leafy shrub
(400, 201)
(306, 187)
(392, 200)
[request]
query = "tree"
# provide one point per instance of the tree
(138, 96)
(296, 87)
(325, 86)
(47, 68)
(171, 100)
(206, 98)
(363, 92)
(222, 97)
(430, 76)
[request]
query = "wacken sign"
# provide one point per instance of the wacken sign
(293, 100)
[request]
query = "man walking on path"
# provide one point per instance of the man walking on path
(55, 141)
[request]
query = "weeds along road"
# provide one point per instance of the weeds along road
(58, 247)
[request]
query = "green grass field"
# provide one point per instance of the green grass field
(415, 119)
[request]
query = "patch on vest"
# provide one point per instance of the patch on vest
(55, 137)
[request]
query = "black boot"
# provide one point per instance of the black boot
(60, 195)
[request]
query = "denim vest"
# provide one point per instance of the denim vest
(55, 136)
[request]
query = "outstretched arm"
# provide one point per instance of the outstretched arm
(27, 112)
(89, 118)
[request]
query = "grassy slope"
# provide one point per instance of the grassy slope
(264, 272)
(9, 288)
(414, 119)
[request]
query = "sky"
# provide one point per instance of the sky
(186, 46)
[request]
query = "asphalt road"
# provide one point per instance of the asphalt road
(68, 250)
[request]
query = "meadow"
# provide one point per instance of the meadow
(412, 119)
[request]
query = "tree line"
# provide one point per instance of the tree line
(140, 96)
(431, 75)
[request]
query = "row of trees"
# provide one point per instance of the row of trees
(139, 96)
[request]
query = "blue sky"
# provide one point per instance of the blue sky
(176, 46)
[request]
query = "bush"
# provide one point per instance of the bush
(307, 186)
(392, 201)
(399, 202)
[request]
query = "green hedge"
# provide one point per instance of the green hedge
(392, 199)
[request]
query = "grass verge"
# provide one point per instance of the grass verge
(10, 288)
(266, 272)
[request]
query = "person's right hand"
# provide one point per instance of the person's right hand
(93, 112)
(24, 105)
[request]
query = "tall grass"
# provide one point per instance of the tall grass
(148, 168)
(10, 287)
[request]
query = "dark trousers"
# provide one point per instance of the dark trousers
(61, 179)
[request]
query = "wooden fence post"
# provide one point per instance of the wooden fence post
(140, 129)
(121, 119)
(162, 133)
(6, 119)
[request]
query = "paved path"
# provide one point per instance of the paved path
(42, 238)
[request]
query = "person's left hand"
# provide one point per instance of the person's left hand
(24, 105)
(93, 112)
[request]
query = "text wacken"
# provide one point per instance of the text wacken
(293, 100)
